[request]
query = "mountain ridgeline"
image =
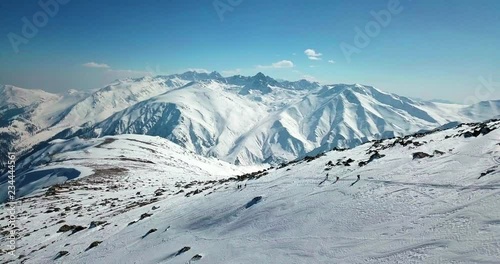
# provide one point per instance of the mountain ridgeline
(239, 119)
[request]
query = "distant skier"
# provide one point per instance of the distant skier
(324, 180)
(357, 180)
(336, 180)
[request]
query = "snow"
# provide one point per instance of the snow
(243, 120)
(212, 117)
(402, 210)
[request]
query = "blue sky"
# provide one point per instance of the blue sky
(428, 49)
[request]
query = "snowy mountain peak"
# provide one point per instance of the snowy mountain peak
(215, 75)
(259, 82)
(245, 119)
(19, 97)
(260, 76)
(197, 75)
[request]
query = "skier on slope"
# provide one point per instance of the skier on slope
(358, 178)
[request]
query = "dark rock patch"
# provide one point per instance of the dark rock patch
(438, 152)
(182, 250)
(421, 155)
(61, 254)
(152, 230)
(254, 201)
(145, 215)
(196, 257)
(93, 245)
(94, 224)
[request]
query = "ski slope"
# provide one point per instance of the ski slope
(407, 207)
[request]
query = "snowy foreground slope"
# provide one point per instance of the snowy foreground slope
(428, 198)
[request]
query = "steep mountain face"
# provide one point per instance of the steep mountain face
(240, 119)
(196, 76)
(28, 117)
(25, 113)
(202, 117)
(260, 83)
(116, 97)
(422, 198)
(269, 123)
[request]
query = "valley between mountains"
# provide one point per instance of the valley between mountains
(201, 168)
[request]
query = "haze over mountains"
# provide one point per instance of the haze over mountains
(239, 119)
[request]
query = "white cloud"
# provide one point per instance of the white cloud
(309, 78)
(231, 72)
(278, 65)
(198, 70)
(312, 54)
(331, 61)
(96, 65)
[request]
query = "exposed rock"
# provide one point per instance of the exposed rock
(152, 230)
(51, 191)
(437, 152)
(61, 254)
(421, 155)
(159, 192)
(78, 229)
(96, 223)
(183, 250)
(65, 228)
(373, 157)
(253, 202)
(74, 228)
(145, 215)
(93, 245)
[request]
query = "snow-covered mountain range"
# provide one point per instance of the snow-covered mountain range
(423, 198)
(239, 119)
